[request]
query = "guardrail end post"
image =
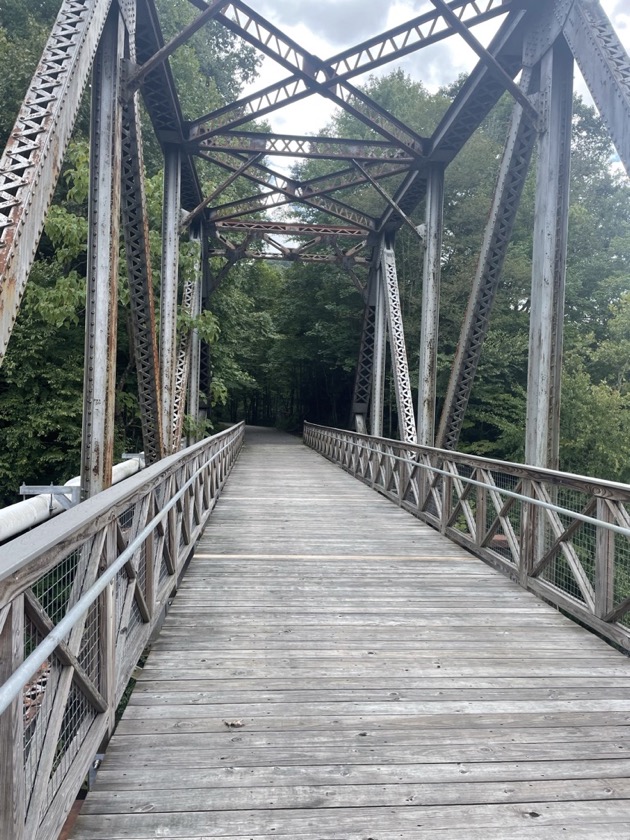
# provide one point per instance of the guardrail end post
(12, 780)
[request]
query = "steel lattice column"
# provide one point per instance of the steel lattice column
(430, 306)
(136, 233)
(380, 351)
(400, 366)
(168, 299)
(363, 378)
(549, 258)
(512, 174)
(190, 307)
(195, 350)
(102, 271)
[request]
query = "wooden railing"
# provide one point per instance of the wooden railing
(80, 597)
(563, 536)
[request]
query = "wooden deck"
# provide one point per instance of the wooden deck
(332, 668)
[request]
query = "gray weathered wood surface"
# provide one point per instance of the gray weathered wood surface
(332, 669)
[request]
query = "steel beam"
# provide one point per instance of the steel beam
(434, 221)
(142, 304)
(330, 78)
(365, 364)
(380, 349)
(159, 94)
(261, 227)
(511, 180)
(549, 258)
(479, 94)
(161, 55)
(99, 388)
(314, 192)
(31, 162)
(400, 365)
(168, 299)
(287, 255)
(606, 69)
(289, 145)
(190, 297)
(194, 378)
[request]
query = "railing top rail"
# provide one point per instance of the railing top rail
(79, 523)
(596, 486)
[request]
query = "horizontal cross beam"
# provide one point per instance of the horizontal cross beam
(303, 147)
(287, 228)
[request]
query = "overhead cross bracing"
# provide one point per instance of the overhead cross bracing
(263, 204)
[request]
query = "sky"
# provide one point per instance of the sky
(327, 27)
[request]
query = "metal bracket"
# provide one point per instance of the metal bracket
(95, 766)
(57, 492)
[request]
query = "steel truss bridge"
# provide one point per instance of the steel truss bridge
(81, 596)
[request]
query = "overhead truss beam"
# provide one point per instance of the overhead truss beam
(328, 148)
(288, 229)
(330, 78)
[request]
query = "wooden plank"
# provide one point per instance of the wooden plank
(192, 777)
(340, 822)
(355, 796)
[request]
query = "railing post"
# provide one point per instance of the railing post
(107, 633)
(481, 511)
(447, 499)
(604, 563)
(529, 539)
(12, 781)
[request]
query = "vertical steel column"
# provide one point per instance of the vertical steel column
(549, 258)
(140, 279)
(430, 306)
(380, 348)
(182, 373)
(365, 364)
(400, 365)
(507, 196)
(168, 299)
(102, 270)
(205, 361)
(195, 352)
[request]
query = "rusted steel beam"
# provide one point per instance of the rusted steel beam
(161, 99)
(511, 180)
(288, 228)
(329, 148)
(99, 386)
(605, 66)
(161, 55)
(31, 162)
(139, 275)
